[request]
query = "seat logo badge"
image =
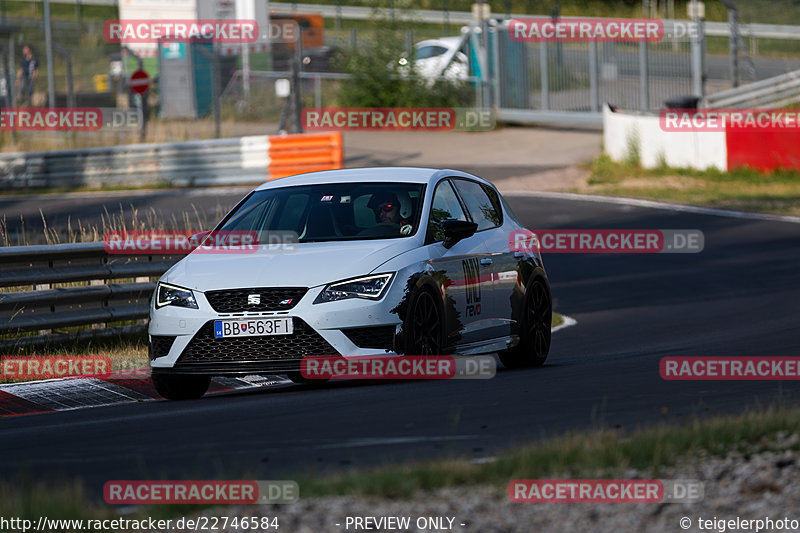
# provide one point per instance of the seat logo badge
(287, 302)
(253, 299)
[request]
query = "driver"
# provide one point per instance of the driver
(386, 208)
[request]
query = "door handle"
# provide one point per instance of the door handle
(486, 261)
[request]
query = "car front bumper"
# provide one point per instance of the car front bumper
(182, 340)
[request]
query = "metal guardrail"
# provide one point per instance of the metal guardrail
(98, 291)
(771, 92)
(207, 162)
(764, 31)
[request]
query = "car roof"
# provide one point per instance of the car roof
(447, 42)
(374, 174)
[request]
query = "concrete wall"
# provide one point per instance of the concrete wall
(700, 150)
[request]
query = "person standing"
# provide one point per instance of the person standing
(27, 74)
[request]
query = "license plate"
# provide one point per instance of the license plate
(256, 327)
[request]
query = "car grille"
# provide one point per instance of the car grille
(204, 348)
(235, 300)
(160, 345)
(379, 337)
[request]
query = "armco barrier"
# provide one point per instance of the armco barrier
(102, 288)
(251, 159)
(304, 152)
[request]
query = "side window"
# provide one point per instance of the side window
(480, 206)
(494, 196)
(426, 52)
(445, 207)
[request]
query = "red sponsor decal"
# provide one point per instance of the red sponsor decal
(586, 490)
(181, 30)
(30, 367)
(730, 368)
(545, 29)
(370, 367)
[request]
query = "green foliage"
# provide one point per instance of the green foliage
(633, 153)
(380, 80)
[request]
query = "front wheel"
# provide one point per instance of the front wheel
(424, 325)
(179, 387)
(537, 318)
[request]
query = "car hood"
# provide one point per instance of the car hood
(306, 265)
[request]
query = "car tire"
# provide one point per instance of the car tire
(534, 333)
(424, 325)
(181, 387)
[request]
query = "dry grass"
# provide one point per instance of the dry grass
(131, 219)
(741, 189)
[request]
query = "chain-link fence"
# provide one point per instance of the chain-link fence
(564, 78)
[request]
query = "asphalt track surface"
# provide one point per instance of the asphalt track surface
(738, 297)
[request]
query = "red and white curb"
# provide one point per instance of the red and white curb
(123, 386)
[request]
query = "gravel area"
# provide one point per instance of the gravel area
(749, 486)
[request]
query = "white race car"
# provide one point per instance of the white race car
(386, 261)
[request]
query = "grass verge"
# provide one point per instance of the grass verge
(127, 352)
(597, 453)
(581, 454)
(741, 189)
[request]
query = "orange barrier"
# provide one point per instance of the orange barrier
(303, 152)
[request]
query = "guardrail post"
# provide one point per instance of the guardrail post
(544, 75)
(43, 287)
(698, 52)
(594, 86)
(733, 44)
(644, 79)
(495, 44)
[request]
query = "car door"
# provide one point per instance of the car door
(464, 278)
(499, 262)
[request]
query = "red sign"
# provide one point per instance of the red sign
(139, 82)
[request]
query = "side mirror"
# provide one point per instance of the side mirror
(456, 230)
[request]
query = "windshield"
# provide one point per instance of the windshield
(331, 212)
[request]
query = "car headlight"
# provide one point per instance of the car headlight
(369, 287)
(171, 295)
